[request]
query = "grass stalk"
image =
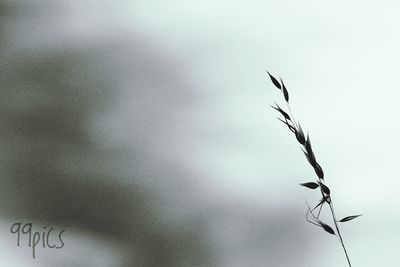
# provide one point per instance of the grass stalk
(305, 142)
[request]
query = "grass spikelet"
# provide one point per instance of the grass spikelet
(306, 147)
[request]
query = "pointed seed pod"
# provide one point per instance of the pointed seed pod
(327, 228)
(274, 81)
(310, 185)
(300, 136)
(285, 91)
(325, 189)
(318, 170)
(280, 110)
(349, 218)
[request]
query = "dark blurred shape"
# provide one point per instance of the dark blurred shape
(59, 166)
(54, 171)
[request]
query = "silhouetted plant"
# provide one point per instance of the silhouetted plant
(305, 142)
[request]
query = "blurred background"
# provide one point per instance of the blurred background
(143, 129)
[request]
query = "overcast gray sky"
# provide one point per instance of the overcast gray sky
(339, 61)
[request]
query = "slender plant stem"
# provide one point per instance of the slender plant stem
(337, 226)
(290, 121)
(338, 232)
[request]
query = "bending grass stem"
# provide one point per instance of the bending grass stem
(338, 232)
(336, 226)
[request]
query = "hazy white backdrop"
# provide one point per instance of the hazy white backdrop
(340, 62)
